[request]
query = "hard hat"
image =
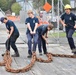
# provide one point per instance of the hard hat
(67, 6)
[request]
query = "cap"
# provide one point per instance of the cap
(2, 19)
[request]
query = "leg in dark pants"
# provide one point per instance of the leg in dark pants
(29, 37)
(7, 44)
(44, 46)
(35, 39)
(69, 34)
(12, 43)
(39, 44)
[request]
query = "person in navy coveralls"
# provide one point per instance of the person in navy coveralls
(13, 34)
(68, 21)
(32, 24)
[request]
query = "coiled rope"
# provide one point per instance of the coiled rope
(7, 61)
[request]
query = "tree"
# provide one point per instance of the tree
(6, 4)
(66, 2)
(55, 1)
(13, 1)
(3, 5)
(16, 8)
(38, 3)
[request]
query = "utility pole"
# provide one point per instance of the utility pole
(52, 8)
(45, 1)
(61, 1)
(24, 5)
(58, 21)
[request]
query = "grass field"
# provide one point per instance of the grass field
(61, 34)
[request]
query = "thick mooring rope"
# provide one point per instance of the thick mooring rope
(7, 61)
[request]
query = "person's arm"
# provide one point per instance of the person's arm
(44, 39)
(28, 26)
(62, 22)
(11, 31)
(36, 25)
(74, 16)
(42, 34)
(46, 34)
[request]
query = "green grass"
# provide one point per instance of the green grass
(61, 34)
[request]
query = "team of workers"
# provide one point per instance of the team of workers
(37, 33)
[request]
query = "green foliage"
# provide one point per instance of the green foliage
(3, 5)
(16, 8)
(55, 1)
(38, 3)
(66, 2)
(61, 34)
(6, 4)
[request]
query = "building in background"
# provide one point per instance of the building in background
(25, 4)
(73, 3)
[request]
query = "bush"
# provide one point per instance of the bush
(16, 8)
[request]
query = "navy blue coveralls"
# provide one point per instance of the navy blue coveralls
(30, 36)
(41, 42)
(11, 41)
(70, 22)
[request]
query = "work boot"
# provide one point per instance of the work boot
(16, 54)
(29, 56)
(3, 54)
(45, 52)
(75, 53)
(74, 50)
(40, 53)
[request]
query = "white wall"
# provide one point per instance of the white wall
(72, 3)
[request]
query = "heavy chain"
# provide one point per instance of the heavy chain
(63, 55)
(7, 61)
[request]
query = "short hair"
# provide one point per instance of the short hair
(30, 11)
(5, 18)
(51, 26)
